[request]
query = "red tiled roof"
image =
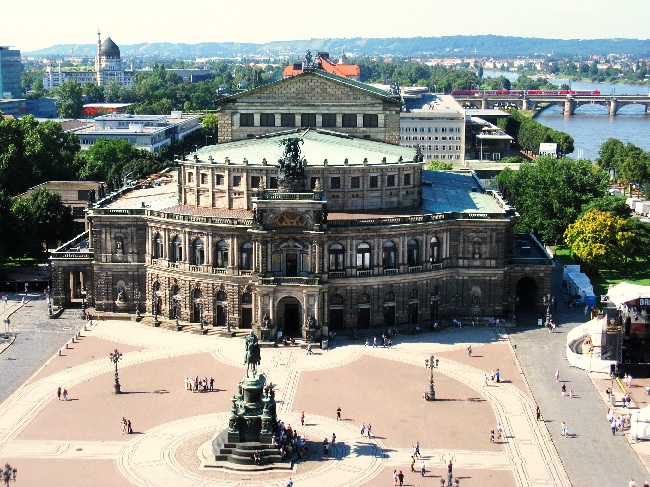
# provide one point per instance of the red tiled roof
(345, 70)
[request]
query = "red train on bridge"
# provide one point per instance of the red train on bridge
(526, 92)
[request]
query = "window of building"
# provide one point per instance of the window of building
(198, 252)
(221, 255)
(236, 180)
(413, 253)
(370, 120)
(337, 258)
(308, 120)
(287, 120)
(335, 183)
(374, 181)
(246, 120)
(255, 182)
(190, 177)
(389, 255)
(390, 180)
(273, 183)
(421, 129)
(204, 179)
(329, 120)
(176, 253)
(157, 246)
(312, 182)
(349, 120)
(219, 181)
(363, 256)
(407, 179)
(355, 182)
(246, 257)
(267, 119)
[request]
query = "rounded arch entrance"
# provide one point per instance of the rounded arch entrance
(289, 316)
(526, 295)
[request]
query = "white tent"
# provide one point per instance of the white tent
(640, 426)
(624, 292)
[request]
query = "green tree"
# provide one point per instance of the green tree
(549, 193)
(106, 159)
(47, 219)
(599, 238)
(211, 124)
(611, 204)
(634, 167)
(69, 101)
(610, 155)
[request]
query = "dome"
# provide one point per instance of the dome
(110, 49)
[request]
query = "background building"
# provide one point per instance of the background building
(11, 69)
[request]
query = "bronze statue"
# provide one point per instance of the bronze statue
(252, 353)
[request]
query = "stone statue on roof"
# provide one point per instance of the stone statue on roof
(291, 176)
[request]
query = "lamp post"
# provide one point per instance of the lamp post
(206, 138)
(115, 356)
(227, 320)
(137, 295)
(9, 474)
(83, 303)
(547, 302)
(7, 328)
(430, 364)
(154, 307)
(176, 306)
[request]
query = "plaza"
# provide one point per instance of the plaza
(81, 439)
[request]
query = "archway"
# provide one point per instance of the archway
(289, 313)
(526, 295)
(246, 310)
(337, 312)
(221, 309)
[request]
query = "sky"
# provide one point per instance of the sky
(42, 23)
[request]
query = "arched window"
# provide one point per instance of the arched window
(247, 298)
(197, 294)
(337, 257)
(389, 297)
(363, 299)
(434, 250)
(198, 252)
(176, 251)
(363, 256)
(389, 256)
(413, 251)
(221, 255)
(336, 300)
(221, 296)
(246, 258)
(157, 246)
(476, 249)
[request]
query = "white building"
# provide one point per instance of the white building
(147, 132)
(108, 67)
(435, 123)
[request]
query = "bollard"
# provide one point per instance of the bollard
(60, 352)
(72, 339)
(66, 346)
(85, 328)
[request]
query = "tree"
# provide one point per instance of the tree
(612, 204)
(599, 238)
(610, 154)
(69, 102)
(549, 194)
(46, 217)
(211, 124)
(634, 166)
(439, 166)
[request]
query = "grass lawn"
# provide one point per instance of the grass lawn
(637, 272)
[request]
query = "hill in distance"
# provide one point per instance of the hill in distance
(449, 46)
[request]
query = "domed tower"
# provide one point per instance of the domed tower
(108, 62)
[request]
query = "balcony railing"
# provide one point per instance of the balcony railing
(219, 270)
(289, 281)
(246, 272)
(364, 272)
(391, 271)
(337, 273)
(415, 268)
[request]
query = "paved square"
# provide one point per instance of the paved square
(81, 439)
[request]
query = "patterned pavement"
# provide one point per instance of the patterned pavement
(160, 456)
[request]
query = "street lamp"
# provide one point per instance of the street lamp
(227, 320)
(115, 356)
(206, 138)
(430, 364)
(547, 302)
(7, 328)
(176, 306)
(137, 295)
(83, 303)
(9, 474)
(154, 307)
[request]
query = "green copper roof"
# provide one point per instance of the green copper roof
(318, 145)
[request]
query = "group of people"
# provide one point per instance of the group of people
(199, 385)
(365, 429)
(492, 376)
(127, 429)
(288, 442)
(620, 423)
(62, 393)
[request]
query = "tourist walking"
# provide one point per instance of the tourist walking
(338, 414)
(362, 430)
(557, 375)
(65, 394)
(412, 463)
(565, 430)
(563, 388)
(369, 429)
(469, 351)
(395, 477)
(123, 422)
(58, 393)
(423, 470)
(400, 476)
(129, 428)
(416, 450)
(211, 384)
(302, 419)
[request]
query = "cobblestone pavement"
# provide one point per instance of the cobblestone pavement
(37, 338)
(150, 458)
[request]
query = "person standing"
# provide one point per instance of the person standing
(412, 463)
(333, 438)
(211, 384)
(400, 476)
(469, 351)
(492, 436)
(123, 425)
(563, 388)
(565, 430)
(497, 376)
(416, 450)
(363, 429)
(58, 393)
(395, 477)
(423, 470)
(369, 429)
(129, 428)
(538, 413)
(338, 414)
(557, 375)
(65, 394)
(302, 419)
(290, 483)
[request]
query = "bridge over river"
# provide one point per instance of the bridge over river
(569, 103)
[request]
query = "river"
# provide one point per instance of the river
(591, 125)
